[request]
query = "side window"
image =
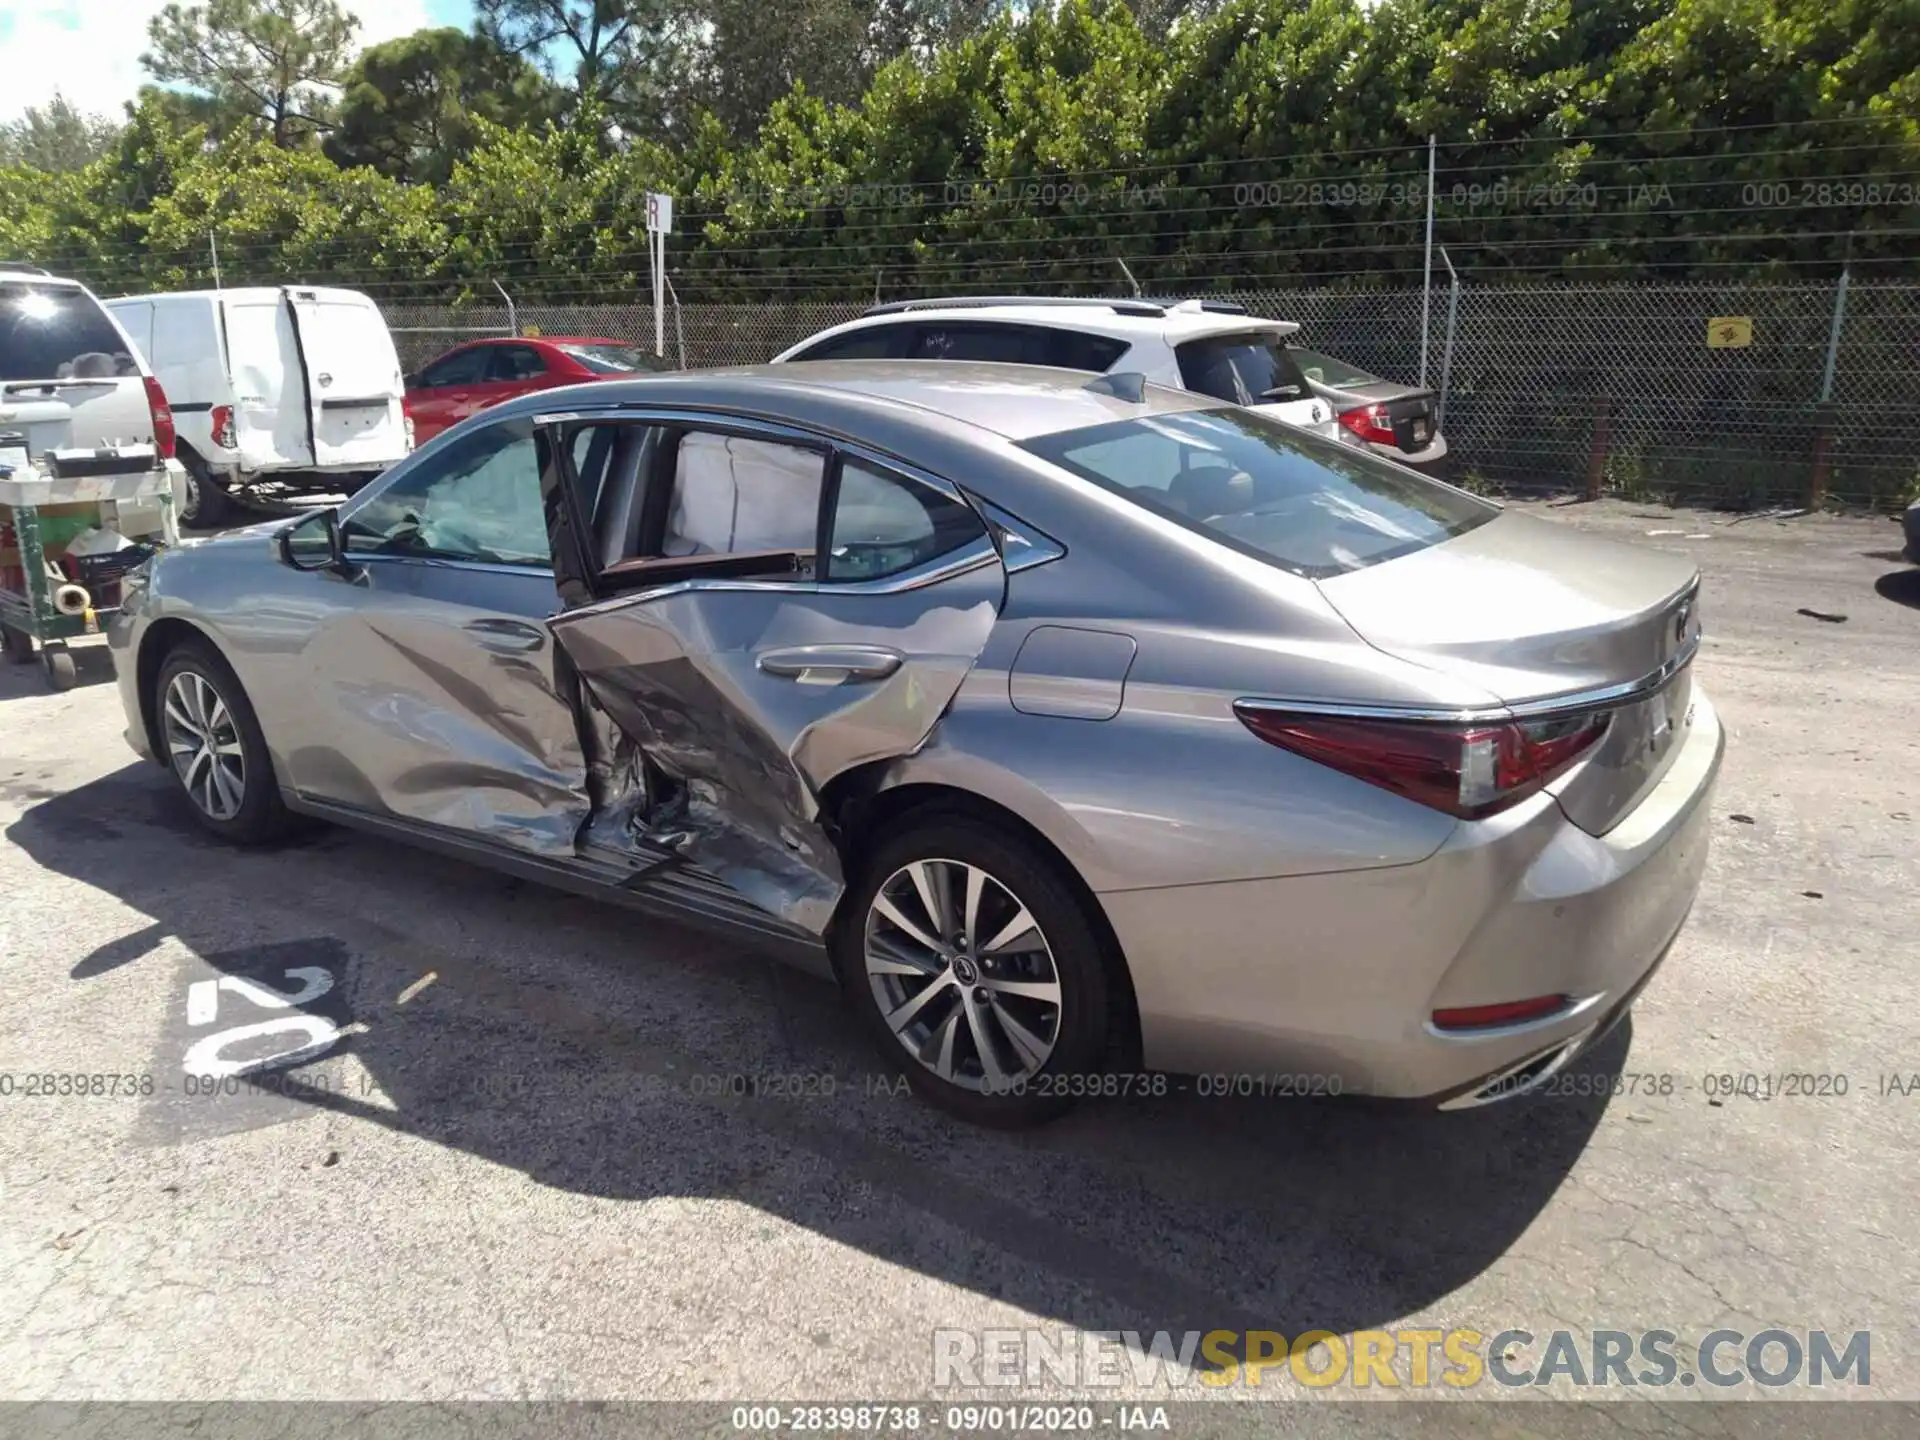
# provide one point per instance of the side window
(734, 495)
(462, 367)
(515, 362)
(1008, 344)
(476, 500)
(1074, 350)
(879, 342)
(884, 524)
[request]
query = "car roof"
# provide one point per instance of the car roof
(25, 276)
(1014, 402)
(543, 340)
(1175, 323)
(245, 294)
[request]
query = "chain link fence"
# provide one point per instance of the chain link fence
(1593, 389)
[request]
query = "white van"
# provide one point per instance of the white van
(275, 392)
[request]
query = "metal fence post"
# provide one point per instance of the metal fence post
(513, 319)
(1426, 282)
(1446, 350)
(1823, 415)
(1597, 454)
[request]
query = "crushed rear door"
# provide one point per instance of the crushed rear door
(748, 700)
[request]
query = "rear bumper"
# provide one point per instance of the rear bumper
(1428, 459)
(1334, 978)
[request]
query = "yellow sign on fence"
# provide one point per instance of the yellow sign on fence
(531, 332)
(1729, 332)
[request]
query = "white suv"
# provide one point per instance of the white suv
(1215, 348)
(69, 375)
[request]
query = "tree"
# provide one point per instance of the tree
(277, 62)
(56, 137)
(413, 106)
(614, 45)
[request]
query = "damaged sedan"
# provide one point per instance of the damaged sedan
(1076, 727)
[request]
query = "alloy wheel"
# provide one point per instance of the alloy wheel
(203, 744)
(962, 974)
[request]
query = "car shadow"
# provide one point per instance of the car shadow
(1900, 586)
(519, 1025)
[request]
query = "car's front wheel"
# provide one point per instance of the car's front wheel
(978, 969)
(213, 745)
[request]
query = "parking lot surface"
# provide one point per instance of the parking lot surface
(522, 1167)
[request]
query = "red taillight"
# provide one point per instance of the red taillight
(1465, 770)
(1509, 1012)
(1370, 423)
(223, 426)
(161, 414)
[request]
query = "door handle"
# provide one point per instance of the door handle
(506, 637)
(830, 664)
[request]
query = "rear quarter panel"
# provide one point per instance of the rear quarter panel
(1173, 789)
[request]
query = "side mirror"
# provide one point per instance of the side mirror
(313, 542)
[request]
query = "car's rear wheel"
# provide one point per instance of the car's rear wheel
(208, 505)
(978, 969)
(213, 745)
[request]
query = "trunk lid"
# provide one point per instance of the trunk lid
(1537, 613)
(1410, 411)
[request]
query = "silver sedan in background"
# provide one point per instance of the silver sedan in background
(1075, 727)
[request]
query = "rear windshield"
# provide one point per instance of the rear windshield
(1267, 489)
(614, 359)
(1325, 370)
(54, 332)
(1251, 369)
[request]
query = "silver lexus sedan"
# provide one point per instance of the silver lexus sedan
(1083, 730)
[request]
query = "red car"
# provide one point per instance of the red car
(473, 376)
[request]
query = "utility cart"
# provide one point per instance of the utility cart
(72, 523)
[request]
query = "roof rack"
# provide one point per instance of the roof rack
(976, 302)
(1205, 307)
(20, 267)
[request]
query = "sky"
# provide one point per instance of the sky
(89, 50)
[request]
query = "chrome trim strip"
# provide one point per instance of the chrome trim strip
(1489, 1091)
(1021, 546)
(484, 567)
(1606, 697)
(1522, 1027)
(977, 553)
(720, 418)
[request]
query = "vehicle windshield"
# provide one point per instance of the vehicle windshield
(1310, 506)
(614, 359)
(56, 332)
(1325, 370)
(1251, 369)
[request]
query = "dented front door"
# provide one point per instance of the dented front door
(751, 698)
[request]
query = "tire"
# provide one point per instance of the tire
(18, 645)
(208, 505)
(56, 663)
(259, 816)
(1038, 1048)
